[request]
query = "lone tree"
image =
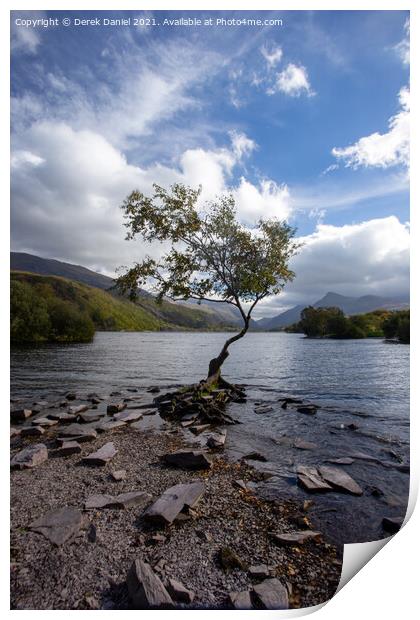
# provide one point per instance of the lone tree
(211, 257)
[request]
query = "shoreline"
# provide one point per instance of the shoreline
(90, 571)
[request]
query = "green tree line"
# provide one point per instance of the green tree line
(332, 323)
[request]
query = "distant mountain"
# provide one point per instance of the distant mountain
(349, 305)
(207, 315)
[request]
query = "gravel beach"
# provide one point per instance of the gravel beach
(89, 571)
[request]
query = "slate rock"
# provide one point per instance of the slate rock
(88, 417)
(74, 410)
(295, 538)
(340, 480)
(115, 408)
(128, 416)
(29, 457)
(70, 396)
(240, 600)
(119, 475)
(271, 594)
(110, 426)
(44, 422)
(101, 456)
(168, 506)
(199, 429)
(188, 459)
(311, 480)
(341, 461)
(124, 500)
(392, 524)
(307, 409)
(20, 415)
(217, 440)
(32, 431)
(69, 447)
(254, 456)
(301, 444)
(145, 589)
(178, 592)
(62, 417)
(260, 571)
(59, 526)
(77, 430)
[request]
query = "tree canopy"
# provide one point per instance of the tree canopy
(211, 255)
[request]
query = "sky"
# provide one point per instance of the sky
(305, 119)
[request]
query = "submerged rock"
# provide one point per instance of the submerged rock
(128, 416)
(145, 588)
(116, 408)
(311, 480)
(30, 457)
(341, 461)
(340, 480)
(217, 440)
(173, 501)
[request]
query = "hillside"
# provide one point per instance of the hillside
(183, 314)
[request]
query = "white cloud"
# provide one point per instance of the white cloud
(273, 55)
(382, 150)
(368, 258)
(75, 181)
(403, 47)
(292, 81)
(25, 39)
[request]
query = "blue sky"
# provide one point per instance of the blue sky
(307, 121)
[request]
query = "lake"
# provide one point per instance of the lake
(361, 383)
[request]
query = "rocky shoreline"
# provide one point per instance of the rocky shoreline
(113, 508)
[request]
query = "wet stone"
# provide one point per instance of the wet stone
(128, 416)
(32, 431)
(340, 480)
(392, 524)
(311, 480)
(188, 459)
(115, 408)
(20, 415)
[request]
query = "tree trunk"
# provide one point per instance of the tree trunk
(214, 373)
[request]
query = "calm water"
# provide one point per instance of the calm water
(361, 382)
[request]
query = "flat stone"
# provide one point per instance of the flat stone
(311, 480)
(69, 447)
(217, 440)
(178, 592)
(62, 417)
(44, 422)
(240, 484)
(118, 475)
(173, 501)
(128, 416)
(341, 461)
(260, 571)
(295, 538)
(188, 459)
(98, 501)
(59, 526)
(240, 600)
(14, 432)
(116, 408)
(124, 500)
(199, 429)
(76, 430)
(30, 457)
(365, 457)
(20, 415)
(340, 480)
(145, 588)
(263, 409)
(111, 426)
(392, 524)
(271, 594)
(301, 444)
(75, 409)
(86, 418)
(32, 431)
(89, 435)
(101, 456)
